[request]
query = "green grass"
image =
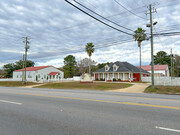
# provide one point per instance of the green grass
(163, 90)
(87, 86)
(15, 83)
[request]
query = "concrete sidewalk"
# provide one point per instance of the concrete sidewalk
(31, 86)
(136, 88)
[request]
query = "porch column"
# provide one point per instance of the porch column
(94, 76)
(129, 76)
(103, 75)
(132, 76)
(107, 76)
(113, 75)
(118, 75)
(123, 76)
(98, 75)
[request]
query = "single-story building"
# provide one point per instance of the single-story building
(39, 73)
(120, 70)
(159, 70)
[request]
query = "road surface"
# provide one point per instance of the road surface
(30, 111)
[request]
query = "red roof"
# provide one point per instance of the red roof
(33, 68)
(53, 73)
(156, 67)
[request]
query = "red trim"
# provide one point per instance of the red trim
(53, 73)
(125, 81)
(36, 68)
(156, 67)
(136, 77)
(96, 76)
(33, 68)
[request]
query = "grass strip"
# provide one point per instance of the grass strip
(163, 90)
(15, 83)
(87, 86)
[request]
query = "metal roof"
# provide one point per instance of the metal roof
(156, 67)
(123, 67)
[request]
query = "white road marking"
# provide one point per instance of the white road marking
(168, 129)
(11, 102)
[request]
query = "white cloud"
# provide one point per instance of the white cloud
(56, 29)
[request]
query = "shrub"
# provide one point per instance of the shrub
(114, 79)
(119, 80)
(97, 79)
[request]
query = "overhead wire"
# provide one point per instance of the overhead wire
(167, 34)
(102, 16)
(129, 10)
(98, 19)
(102, 12)
(82, 49)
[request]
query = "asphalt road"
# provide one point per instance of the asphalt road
(28, 111)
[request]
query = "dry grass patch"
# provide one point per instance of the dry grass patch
(163, 90)
(15, 83)
(86, 86)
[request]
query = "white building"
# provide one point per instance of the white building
(39, 74)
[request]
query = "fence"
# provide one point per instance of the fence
(75, 78)
(165, 81)
(8, 79)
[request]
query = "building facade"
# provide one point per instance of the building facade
(39, 74)
(119, 70)
(159, 70)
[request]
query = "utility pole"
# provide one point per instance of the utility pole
(171, 64)
(26, 49)
(152, 56)
(140, 63)
(23, 69)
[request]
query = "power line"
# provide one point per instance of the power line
(98, 19)
(168, 3)
(129, 10)
(102, 16)
(97, 46)
(168, 33)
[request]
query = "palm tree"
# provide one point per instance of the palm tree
(89, 49)
(139, 36)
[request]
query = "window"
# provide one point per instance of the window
(29, 74)
(115, 67)
(106, 68)
(17, 76)
(44, 76)
(39, 76)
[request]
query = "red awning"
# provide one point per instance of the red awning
(53, 73)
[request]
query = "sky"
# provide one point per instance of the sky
(56, 29)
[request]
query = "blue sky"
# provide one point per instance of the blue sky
(56, 29)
